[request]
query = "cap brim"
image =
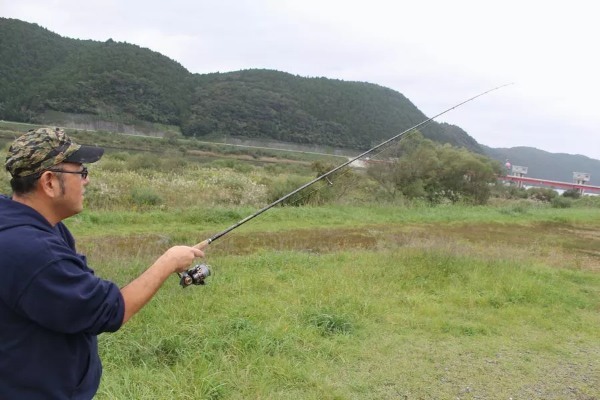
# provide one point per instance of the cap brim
(86, 155)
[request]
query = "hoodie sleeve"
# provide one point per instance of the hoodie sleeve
(67, 298)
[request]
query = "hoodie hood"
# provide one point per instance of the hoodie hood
(14, 214)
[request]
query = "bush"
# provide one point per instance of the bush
(143, 161)
(517, 192)
(588, 201)
(542, 194)
(145, 197)
(561, 202)
(572, 193)
(516, 209)
(282, 186)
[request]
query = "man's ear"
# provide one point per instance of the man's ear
(48, 185)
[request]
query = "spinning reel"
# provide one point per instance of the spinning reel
(194, 276)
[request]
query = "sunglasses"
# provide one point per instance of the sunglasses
(83, 172)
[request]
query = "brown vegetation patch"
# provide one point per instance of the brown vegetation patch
(310, 240)
(558, 245)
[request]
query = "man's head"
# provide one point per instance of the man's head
(47, 169)
(48, 173)
(43, 148)
(40, 150)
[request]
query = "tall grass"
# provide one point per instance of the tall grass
(369, 325)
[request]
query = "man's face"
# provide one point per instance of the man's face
(72, 186)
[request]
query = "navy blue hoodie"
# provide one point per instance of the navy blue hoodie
(52, 307)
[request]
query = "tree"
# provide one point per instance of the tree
(435, 172)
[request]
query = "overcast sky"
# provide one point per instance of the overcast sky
(435, 52)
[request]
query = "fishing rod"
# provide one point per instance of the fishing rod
(197, 274)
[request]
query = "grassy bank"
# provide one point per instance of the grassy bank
(360, 303)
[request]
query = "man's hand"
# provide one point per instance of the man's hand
(179, 258)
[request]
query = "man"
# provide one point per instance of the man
(52, 306)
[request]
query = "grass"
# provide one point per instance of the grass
(363, 324)
(422, 310)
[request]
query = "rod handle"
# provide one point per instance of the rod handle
(202, 244)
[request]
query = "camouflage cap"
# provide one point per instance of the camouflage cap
(40, 149)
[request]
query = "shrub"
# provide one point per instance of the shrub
(284, 185)
(542, 194)
(561, 202)
(588, 201)
(145, 197)
(517, 192)
(143, 161)
(516, 209)
(572, 193)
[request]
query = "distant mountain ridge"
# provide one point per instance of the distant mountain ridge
(544, 165)
(46, 78)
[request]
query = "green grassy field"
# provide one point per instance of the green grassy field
(359, 303)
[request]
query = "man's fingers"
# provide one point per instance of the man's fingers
(198, 252)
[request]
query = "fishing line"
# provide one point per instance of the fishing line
(198, 273)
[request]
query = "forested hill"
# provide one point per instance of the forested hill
(45, 76)
(41, 71)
